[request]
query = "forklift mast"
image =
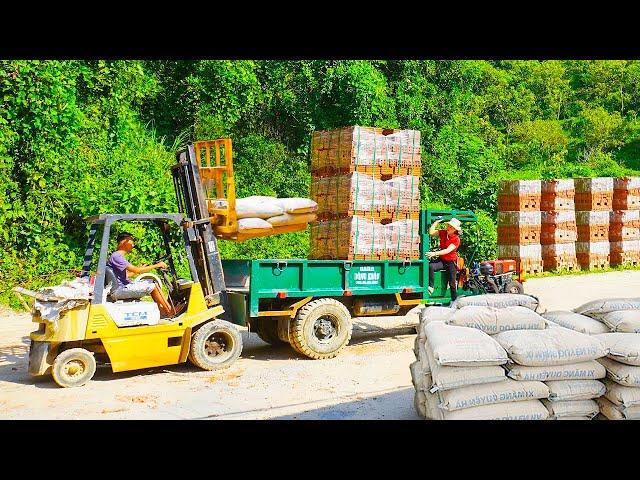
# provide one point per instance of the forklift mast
(199, 236)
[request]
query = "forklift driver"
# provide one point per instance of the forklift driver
(126, 289)
(448, 253)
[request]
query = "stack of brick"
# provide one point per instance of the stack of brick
(519, 223)
(594, 202)
(624, 232)
(559, 229)
(366, 183)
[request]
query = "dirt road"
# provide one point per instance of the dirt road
(369, 380)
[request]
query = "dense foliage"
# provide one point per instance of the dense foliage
(82, 137)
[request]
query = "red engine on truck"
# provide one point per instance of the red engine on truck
(501, 266)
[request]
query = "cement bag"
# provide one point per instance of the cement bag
(591, 370)
(527, 410)
(494, 320)
(419, 403)
(601, 307)
(291, 219)
(463, 347)
(417, 376)
(572, 408)
(498, 300)
(625, 321)
(563, 390)
(429, 314)
(426, 404)
(575, 418)
(491, 393)
(448, 378)
(622, 347)
(253, 225)
(297, 205)
(258, 207)
(423, 357)
(622, 396)
(615, 412)
(626, 375)
(577, 322)
(552, 346)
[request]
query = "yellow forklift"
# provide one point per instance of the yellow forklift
(128, 334)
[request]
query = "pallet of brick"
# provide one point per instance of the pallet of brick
(403, 239)
(519, 228)
(348, 239)
(519, 195)
(558, 226)
(560, 256)
(625, 253)
(624, 225)
(594, 193)
(364, 195)
(593, 255)
(358, 238)
(593, 226)
(626, 193)
(374, 151)
(558, 195)
(527, 257)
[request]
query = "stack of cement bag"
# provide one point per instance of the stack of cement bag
(261, 214)
(547, 365)
(621, 317)
(459, 374)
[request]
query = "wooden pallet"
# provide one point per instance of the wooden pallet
(381, 216)
(379, 172)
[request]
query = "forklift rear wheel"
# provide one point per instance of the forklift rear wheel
(514, 287)
(73, 367)
(321, 329)
(215, 345)
(267, 330)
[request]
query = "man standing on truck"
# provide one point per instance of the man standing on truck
(448, 253)
(126, 289)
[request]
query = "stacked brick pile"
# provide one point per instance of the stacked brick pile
(624, 231)
(559, 229)
(594, 201)
(519, 223)
(366, 183)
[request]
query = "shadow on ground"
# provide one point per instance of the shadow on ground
(373, 405)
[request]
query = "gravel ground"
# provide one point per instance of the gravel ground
(369, 380)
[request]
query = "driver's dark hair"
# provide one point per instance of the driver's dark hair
(123, 236)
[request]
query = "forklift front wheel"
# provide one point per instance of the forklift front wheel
(215, 345)
(73, 367)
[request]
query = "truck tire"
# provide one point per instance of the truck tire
(267, 330)
(514, 287)
(73, 367)
(321, 329)
(215, 345)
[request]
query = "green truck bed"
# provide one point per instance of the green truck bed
(258, 287)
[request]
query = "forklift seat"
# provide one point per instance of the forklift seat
(115, 293)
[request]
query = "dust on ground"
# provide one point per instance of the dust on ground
(370, 379)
